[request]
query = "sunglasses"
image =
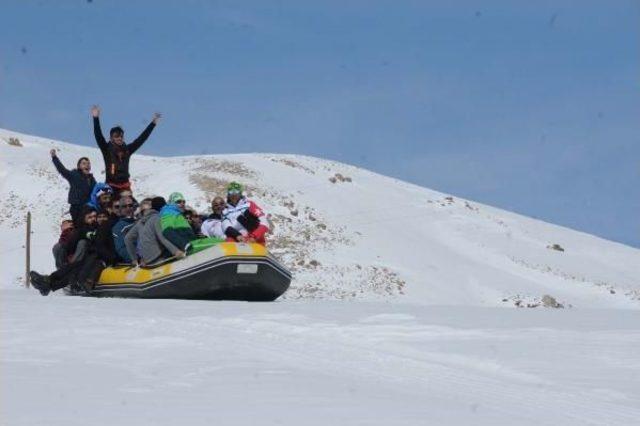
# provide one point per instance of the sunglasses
(180, 201)
(126, 205)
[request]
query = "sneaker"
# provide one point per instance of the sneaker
(40, 282)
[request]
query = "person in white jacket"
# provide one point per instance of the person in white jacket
(242, 219)
(212, 226)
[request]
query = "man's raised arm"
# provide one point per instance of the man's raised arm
(136, 144)
(97, 131)
(59, 166)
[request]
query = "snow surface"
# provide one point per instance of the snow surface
(76, 361)
(402, 310)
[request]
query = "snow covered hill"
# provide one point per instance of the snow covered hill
(345, 232)
(359, 339)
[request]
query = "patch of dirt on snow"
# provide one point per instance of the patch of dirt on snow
(526, 301)
(13, 211)
(48, 174)
(210, 165)
(347, 282)
(564, 275)
(339, 177)
(294, 164)
(13, 142)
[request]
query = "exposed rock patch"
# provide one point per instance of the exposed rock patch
(294, 164)
(14, 142)
(235, 168)
(523, 301)
(338, 177)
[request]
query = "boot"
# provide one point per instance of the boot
(40, 282)
(88, 284)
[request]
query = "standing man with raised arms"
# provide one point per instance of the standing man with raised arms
(116, 152)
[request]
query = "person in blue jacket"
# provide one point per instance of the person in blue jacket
(123, 225)
(81, 183)
(101, 196)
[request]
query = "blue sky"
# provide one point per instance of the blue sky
(529, 106)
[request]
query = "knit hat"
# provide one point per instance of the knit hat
(104, 190)
(175, 197)
(234, 188)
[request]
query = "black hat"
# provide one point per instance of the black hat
(157, 203)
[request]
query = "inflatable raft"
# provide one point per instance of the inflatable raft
(226, 271)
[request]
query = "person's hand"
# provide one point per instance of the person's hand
(250, 239)
(240, 238)
(156, 117)
(180, 254)
(53, 153)
(135, 264)
(95, 111)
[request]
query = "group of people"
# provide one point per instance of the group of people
(108, 226)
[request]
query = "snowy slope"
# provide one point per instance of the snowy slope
(358, 340)
(360, 235)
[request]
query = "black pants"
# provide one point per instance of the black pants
(66, 275)
(84, 272)
(59, 255)
(90, 271)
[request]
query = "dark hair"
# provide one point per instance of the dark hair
(157, 203)
(81, 158)
(116, 131)
(86, 209)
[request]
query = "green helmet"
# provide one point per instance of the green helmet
(175, 197)
(234, 188)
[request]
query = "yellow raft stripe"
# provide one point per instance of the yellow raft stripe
(235, 249)
(229, 249)
(131, 275)
(124, 274)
